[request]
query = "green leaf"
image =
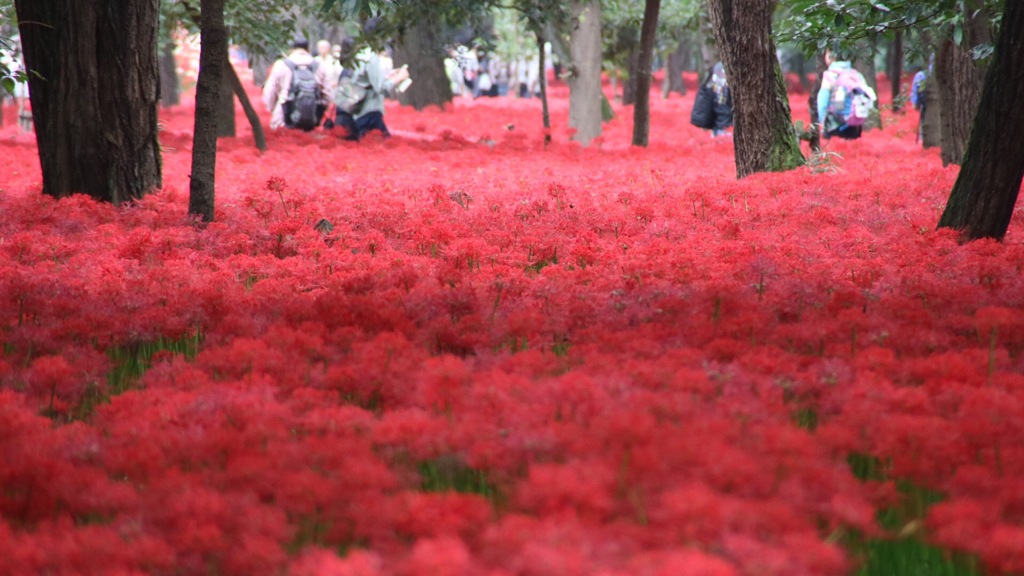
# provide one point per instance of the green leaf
(8, 84)
(958, 34)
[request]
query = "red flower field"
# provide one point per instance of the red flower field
(507, 359)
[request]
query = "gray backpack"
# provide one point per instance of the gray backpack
(303, 96)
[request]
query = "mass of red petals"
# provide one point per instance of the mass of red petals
(617, 339)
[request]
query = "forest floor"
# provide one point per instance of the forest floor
(510, 359)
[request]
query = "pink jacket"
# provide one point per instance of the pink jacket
(275, 91)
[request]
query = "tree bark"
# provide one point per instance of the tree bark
(543, 80)
(931, 124)
(642, 109)
(895, 71)
(226, 102)
(260, 66)
(250, 113)
(986, 190)
(867, 67)
(764, 137)
(94, 100)
(585, 70)
(675, 65)
(421, 49)
(169, 84)
(812, 103)
(629, 86)
(212, 60)
(961, 79)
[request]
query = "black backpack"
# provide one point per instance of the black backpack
(303, 97)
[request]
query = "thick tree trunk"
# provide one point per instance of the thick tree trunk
(961, 79)
(986, 190)
(226, 103)
(250, 113)
(895, 71)
(94, 99)
(585, 71)
(764, 136)
(675, 65)
(169, 84)
(421, 49)
(642, 109)
(212, 61)
(543, 80)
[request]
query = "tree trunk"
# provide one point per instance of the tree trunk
(629, 86)
(931, 123)
(709, 53)
(986, 190)
(421, 49)
(94, 99)
(226, 102)
(642, 110)
(543, 80)
(812, 103)
(960, 83)
(895, 71)
(675, 65)
(800, 68)
(169, 84)
(866, 66)
(260, 66)
(250, 112)
(585, 71)
(764, 137)
(212, 60)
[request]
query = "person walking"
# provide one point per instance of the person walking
(360, 99)
(712, 107)
(845, 100)
(296, 91)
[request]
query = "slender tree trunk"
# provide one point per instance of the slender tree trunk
(986, 190)
(961, 79)
(585, 71)
(226, 103)
(931, 124)
(94, 99)
(764, 136)
(260, 66)
(212, 60)
(867, 67)
(674, 68)
(421, 49)
(709, 52)
(800, 67)
(642, 110)
(629, 86)
(895, 71)
(543, 79)
(169, 84)
(812, 104)
(250, 112)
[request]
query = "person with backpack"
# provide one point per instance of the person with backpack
(712, 107)
(359, 100)
(296, 93)
(845, 100)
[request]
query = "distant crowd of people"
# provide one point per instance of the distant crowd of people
(304, 91)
